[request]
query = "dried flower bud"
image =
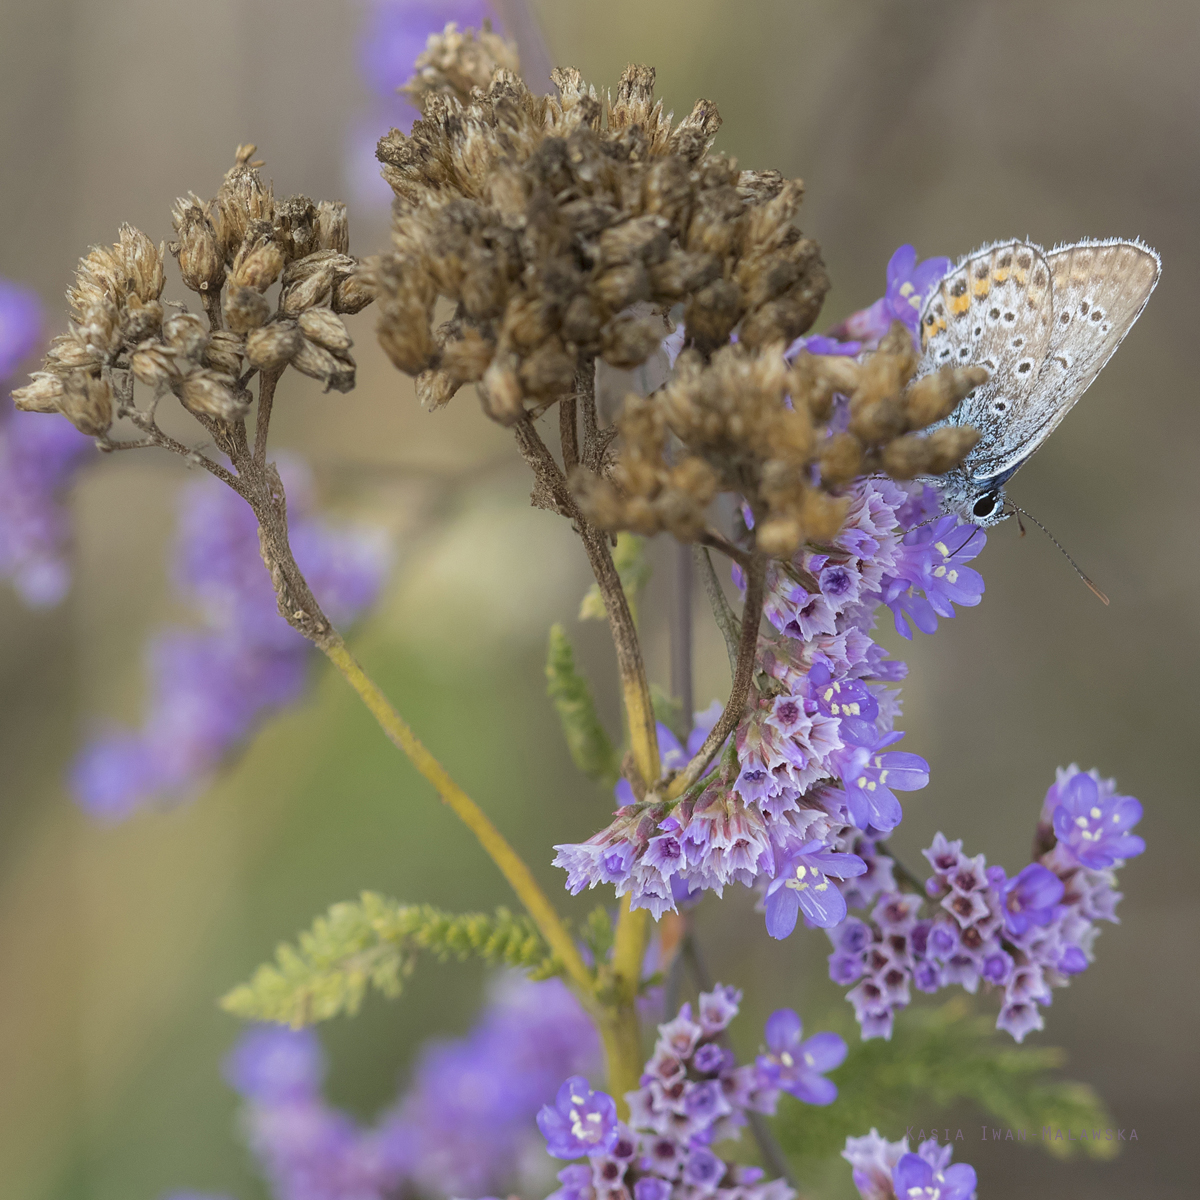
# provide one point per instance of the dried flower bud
(500, 392)
(681, 273)
(435, 388)
(353, 293)
(949, 446)
(641, 239)
(454, 62)
(549, 371)
(87, 404)
(200, 260)
(619, 287)
(335, 371)
(296, 227)
(629, 341)
(70, 352)
(321, 326)
(308, 292)
(711, 314)
(224, 352)
(936, 396)
(243, 198)
(141, 320)
(99, 331)
(245, 308)
(273, 346)
(466, 357)
(42, 394)
(841, 459)
(186, 333)
(156, 365)
(257, 265)
(210, 395)
(333, 227)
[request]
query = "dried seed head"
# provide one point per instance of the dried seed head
(273, 346)
(141, 320)
(186, 333)
(242, 198)
(320, 325)
(244, 308)
(200, 259)
(333, 227)
(214, 396)
(224, 352)
(335, 371)
(87, 403)
(42, 394)
(454, 62)
(156, 365)
(295, 227)
(257, 264)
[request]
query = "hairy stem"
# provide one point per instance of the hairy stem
(742, 675)
(266, 397)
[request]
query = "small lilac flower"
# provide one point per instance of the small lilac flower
(798, 1066)
(272, 1063)
(650, 1187)
(915, 1178)
(907, 286)
(581, 1122)
(716, 1009)
(873, 1158)
(1093, 825)
(997, 967)
(802, 885)
(704, 1169)
(1031, 898)
(576, 1181)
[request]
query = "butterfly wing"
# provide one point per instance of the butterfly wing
(995, 310)
(1100, 289)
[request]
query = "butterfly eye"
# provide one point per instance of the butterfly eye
(986, 505)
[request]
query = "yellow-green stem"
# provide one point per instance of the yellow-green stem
(511, 865)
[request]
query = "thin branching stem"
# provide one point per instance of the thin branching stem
(742, 675)
(727, 620)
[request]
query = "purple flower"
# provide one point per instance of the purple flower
(20, 326)
(210, 688)
(1092, 823)
(704, 1169)
(873, 1159)
(649, 1187)
(797, 1066)
(802, 885)
(915, 1178)
(581, 1122)
(907, 286)
(1030, 898)
(271, 1064)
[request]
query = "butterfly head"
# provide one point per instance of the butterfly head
(982, 503)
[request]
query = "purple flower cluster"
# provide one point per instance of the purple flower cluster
(692, 1096)
(813, 766)
(39, 457)
(464, 1127)
(209, 687)
(886, 1170)
(1024, 935)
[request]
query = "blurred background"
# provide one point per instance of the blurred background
(944, 123)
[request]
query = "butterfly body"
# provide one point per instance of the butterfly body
(1043, 324)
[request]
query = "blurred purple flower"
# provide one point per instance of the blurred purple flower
(39, 456)
(1093, 823)
(209, 688)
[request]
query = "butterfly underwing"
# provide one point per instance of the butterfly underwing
(1043, 324)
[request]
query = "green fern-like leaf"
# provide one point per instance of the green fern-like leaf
(589, 744)
(937, 1058)
(374, 942)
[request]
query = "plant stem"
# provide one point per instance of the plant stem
(511, 865)
(681, 632)
(742, 675)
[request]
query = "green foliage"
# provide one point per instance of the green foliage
(590, 747)
(630, 560)
(936, 1058)
(598, 933)
(374, 942)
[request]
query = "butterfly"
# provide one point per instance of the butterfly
(1043, 324)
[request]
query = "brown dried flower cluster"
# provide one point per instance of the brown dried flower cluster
(231, 250)
(750, 422)
(555, 225)
(570, 228)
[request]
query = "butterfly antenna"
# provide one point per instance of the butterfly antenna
(1094, 589)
